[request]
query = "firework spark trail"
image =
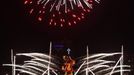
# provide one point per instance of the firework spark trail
(79, 68)
(117, 71)
(99, 61)
(88, 69)
(36, 66)
(62, 9)
(12, 61)
(22, 68)
(35, 63)
(87, 62)
(121, 62)
(36, 57)
(110, 68)
(27, 72)
(32, 64)
(90, 64)
(101, 55)
(96, 64)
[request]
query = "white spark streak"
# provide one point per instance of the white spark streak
(95, 67)
(54, 72)
(110, 68)
(101, 55)
(45, 61)
(34, 55)
(25, 71)
(115, 66)
(12, 61)
(20, 66)
(121, 61)
(80, 68)
(33, 67)
(89, 5)
(14, 65)
(98, 1)
(36, 63)
(87, 61)
(42, 64)
(117, 71)
(44, 72)
(100, 61)
(58, 3)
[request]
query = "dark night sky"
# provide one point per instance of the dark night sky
(105, 29)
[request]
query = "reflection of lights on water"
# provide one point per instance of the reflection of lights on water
(41, 64)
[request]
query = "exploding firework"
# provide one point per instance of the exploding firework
(60, 12)
(101, 64)
(96, 64)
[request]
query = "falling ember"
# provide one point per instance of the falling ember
(31, 11)
(74, 22)
(79, 18)
(61, 11)
(61, 25)
(26, 2)
(69, 23)
(39, 18)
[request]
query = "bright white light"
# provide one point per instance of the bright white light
(97, 64)
(99, 61)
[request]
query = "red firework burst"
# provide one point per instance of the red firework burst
(60, 12)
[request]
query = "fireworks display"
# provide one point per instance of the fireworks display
(96, 64)
(60, 12)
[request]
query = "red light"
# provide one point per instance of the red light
(53, 15)
(91, 1)
(31, 11)
(51, 20)
(65, 11)
(79, 5)
(68, 10)
(74, 22)
(40, 11)
(43, 12)
(84, 10)
(61, 25)
(69, 23)
(25, 2)
(82, 13)
(61, 20)
(79, 18)
(55, 23)
(82, 17)
(74, 15)
(59, 13)
(39, 18)
(88, 10)
(31, 2)
(50, 23)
